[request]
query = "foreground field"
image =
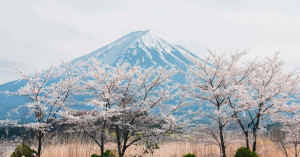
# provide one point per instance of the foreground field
(170, 149)
(77, 147)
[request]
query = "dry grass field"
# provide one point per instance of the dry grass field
(170, 149)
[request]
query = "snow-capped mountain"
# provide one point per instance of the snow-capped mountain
(144, 48)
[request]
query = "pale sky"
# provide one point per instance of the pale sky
(35, 34)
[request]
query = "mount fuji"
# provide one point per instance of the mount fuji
(143, 48)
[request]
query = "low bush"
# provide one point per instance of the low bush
(107, 153)
(23, 150)
(245, 152)
(189, 155)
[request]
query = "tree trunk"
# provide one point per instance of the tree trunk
(286, 153)
(255, 128)
(126, 133)
(122, 148)
(284, 148)
(103, 137)
(254, 140)
(247, 139)
(296, 150)
(119, 142)
(246, 132)
(40, 136)
(102, 143)
(223, 148)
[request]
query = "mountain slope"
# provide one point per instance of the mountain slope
(144, 48)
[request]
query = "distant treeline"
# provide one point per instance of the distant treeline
(8, 132)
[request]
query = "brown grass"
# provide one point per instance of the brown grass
(85, 148)
(170, 149)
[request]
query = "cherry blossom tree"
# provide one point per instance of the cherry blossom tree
(143, 112)
(213, 82)
(48, 92)
(286, 133)
(278, 137)
(101, 84)
(268, 91)
(292, 130)
(134, 103)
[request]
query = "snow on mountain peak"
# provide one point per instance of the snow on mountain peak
(145, 48)
(144, 39)
(153, 39)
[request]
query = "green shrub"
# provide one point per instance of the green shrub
(22, 150)
(189, 155)
(107, 153)
(245, 152)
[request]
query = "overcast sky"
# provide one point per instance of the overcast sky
(35, 34)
